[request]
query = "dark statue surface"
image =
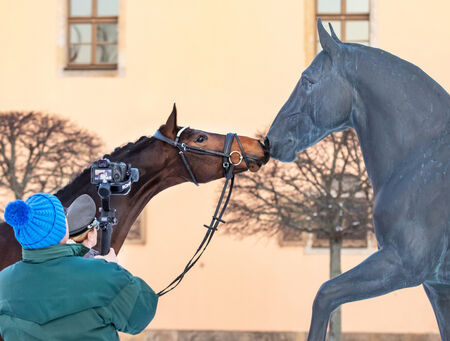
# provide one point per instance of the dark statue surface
(402, 118)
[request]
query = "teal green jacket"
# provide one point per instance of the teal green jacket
(56, 294)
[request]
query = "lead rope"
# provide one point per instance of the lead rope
(216, 219)
(212, 228)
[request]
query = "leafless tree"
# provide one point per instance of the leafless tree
(41, 152)
(325, 192)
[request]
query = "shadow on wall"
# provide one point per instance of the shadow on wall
(206, 335)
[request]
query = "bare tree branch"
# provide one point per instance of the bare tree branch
(41, 153)
(325, 192)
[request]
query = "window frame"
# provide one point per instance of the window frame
(360, 239)
(343, 17)
(138, 231)
(93, 20)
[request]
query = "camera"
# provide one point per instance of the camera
(111, 178)
(114, 176)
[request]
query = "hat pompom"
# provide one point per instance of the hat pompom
(18, 213)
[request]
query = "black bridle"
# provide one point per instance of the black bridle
(226, 154)
(228, 167)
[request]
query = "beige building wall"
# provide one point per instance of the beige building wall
(229, 65)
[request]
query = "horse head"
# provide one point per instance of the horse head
(319, 105)
(204, 166)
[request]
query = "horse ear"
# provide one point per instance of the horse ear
(329, 45)
(170, 128)
(333, 35)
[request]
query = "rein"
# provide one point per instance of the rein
(228, 167)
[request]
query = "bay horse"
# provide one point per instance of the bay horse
(402, 118)
(159, 166)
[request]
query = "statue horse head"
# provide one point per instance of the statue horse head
(320, 104)
(392, 104)
(160, 167)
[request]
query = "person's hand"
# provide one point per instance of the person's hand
(110, 257)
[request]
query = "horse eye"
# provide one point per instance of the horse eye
(306, 82)
(201, 138)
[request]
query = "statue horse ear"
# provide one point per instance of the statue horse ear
(170, 128)
(330, 44)
(333, 35)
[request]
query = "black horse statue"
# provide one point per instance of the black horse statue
(402, 118)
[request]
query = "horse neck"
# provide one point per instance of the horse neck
(154, 177)
(398, 110)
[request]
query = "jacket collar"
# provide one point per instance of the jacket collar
(53, 252)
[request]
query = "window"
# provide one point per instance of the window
(355, 213)
(92, 34)
(291, 237)
(136, 235)
(350, 19)
(356, 221)
(348, 201)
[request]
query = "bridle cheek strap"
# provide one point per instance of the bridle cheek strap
(186, 164)
(243, 155)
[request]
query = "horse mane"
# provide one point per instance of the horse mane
(131, 147)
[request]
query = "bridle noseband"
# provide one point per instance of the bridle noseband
(228, 167)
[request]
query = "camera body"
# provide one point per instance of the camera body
(114, 176)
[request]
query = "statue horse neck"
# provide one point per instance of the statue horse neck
(154, 177)
(399, 112)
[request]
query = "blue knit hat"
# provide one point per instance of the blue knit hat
(38, 222)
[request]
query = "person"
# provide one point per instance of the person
(56, 294)
(83, 225)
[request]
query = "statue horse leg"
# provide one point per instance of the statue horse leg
(439, 296)
(379, 274)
